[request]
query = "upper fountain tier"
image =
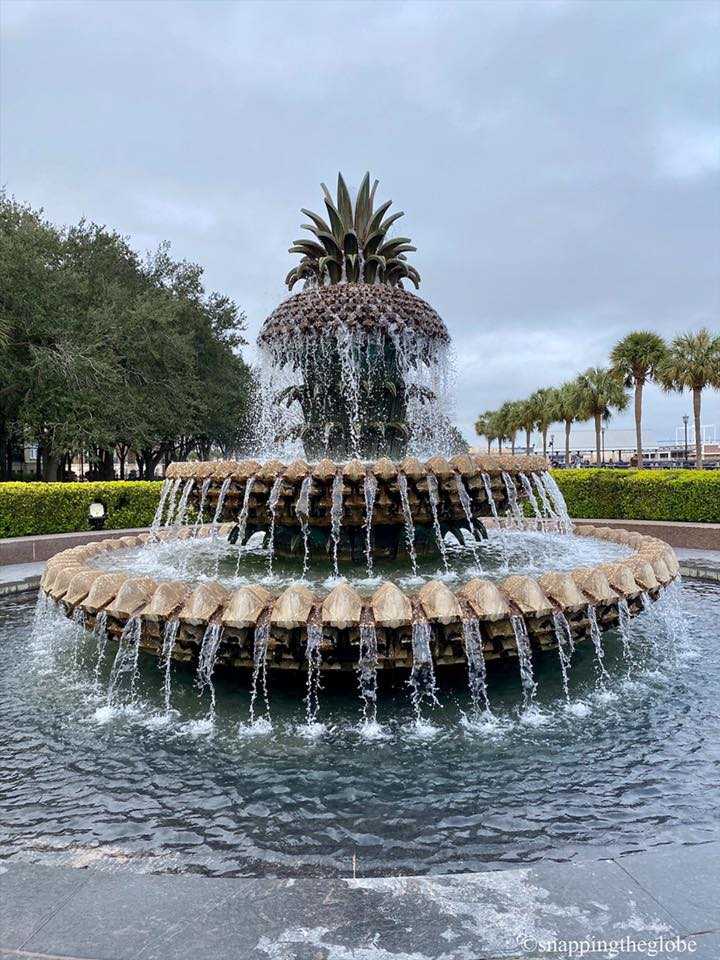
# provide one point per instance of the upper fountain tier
(355, 365)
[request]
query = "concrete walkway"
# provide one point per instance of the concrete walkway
(667, 893)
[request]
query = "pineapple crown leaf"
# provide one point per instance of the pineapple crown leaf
(353, 246)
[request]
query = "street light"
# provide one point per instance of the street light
(685, 421)
(603, 446)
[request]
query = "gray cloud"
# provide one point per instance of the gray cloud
(558, 162)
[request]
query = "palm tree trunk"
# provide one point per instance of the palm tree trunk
(527, 442)
(512, 444)
(598, 431)
(568, 428)
(697, 393)
(638, 423)
(489, 443)
(500, 440)
(544, 435)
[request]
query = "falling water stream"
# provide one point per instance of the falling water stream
(219, 508)
(201, 506)
(527, 679)
(169, 637)
(336, 514)
(313, 654)
(370, 491)
(466, 504)
(596, 637)
(206, 663)
(126, 659)
(302, 511)
(527, 487)
(157, 519)
(259, 674)
(566, 646)
(423, 687)
(432, 486)
(272, 506)
(367, 671)
(409, 525)
(477, 674)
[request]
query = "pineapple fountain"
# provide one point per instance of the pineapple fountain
(403, 543)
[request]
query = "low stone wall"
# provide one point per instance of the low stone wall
(694, 536)
(34, 549)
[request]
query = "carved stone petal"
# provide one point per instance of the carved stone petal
(131, 596)
(620, 578)
(297, 470)
(342, 607)
(103, 590)
(203, 469)
(224, 468)
(661, 570)
(412, 468)
(203, 602)
(173, 471)
(292, 608)
(585, 530)
(593, 582)
(168, 597)
(526, 594)
(271, 469)
(51, 574)
(439, 603)
(671, 560)
(561, 588)
(440, 467)
(324, 470)
(464, 465)
(63, 579)
(486, 599)
(354, 470)
(643, 572)
(245, 606)
(390, 607)
(80, 585)
(244, 469)
(385, 469)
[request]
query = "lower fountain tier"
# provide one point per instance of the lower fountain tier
(452, 495)
(237, 617)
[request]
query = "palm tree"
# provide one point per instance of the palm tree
(693, 363)
(568, 409)
(496, 428)
(543, 402)
(600, 392)
(526, 420)
(509, 421)
(636, 359)
(484, 426)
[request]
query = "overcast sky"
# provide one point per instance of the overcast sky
(558, 162)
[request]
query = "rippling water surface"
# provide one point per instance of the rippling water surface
(129, 787)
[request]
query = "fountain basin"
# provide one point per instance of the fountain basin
(582, 595)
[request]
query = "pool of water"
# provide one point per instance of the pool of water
(522, 552)
(625, 767)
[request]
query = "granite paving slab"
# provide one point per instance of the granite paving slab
(30, 895)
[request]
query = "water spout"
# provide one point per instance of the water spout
(183, 505)
(422, 682)
(201, 508)
(259, 674)
(336, 514)
(367, 671)
(624, 629)
(527, 487)
(169, 519)
(100, 635)
(558, 499)
(477, 674)
(370, 490)
(157, 519)
(219, 508)
(515, 507)
(494, 511)
(169, 637)
(434, 501)
(206, 664)
(596, 638)
(126, 659)
(466, 504)
(314, 657)
(272, 506)
(566, 646)
(522, 641)
(302, 511)
(409, 525)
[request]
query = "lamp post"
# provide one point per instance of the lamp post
(685, 421)
(603, 446)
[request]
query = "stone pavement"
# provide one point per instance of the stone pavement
(669, 892)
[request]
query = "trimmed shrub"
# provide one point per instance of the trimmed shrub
(688, 495)
(36, 508)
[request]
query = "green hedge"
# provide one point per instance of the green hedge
(688, 495)
(35, 508)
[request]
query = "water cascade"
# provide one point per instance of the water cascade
(206, 663)
(467, 510)
(157, 519)
(170, 518)
(477, 674)
(434, 500)
(370, 486)
(259, 674)
(78, 635)
(422, 675)
(126, 659)
(219, 507)
(367, 671)
(494, 511)
(515, 507)
(302, 511)
(566, 646)
(272, 506)
(169, 637)
(100, 636)
(522, 641)
(409, 525)
(201, 506)
(527, 487)
(596, 638)
(336, 514)
(558, 499)
(624, 629)
(542, 493)
(313, 654)
(183, 505)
